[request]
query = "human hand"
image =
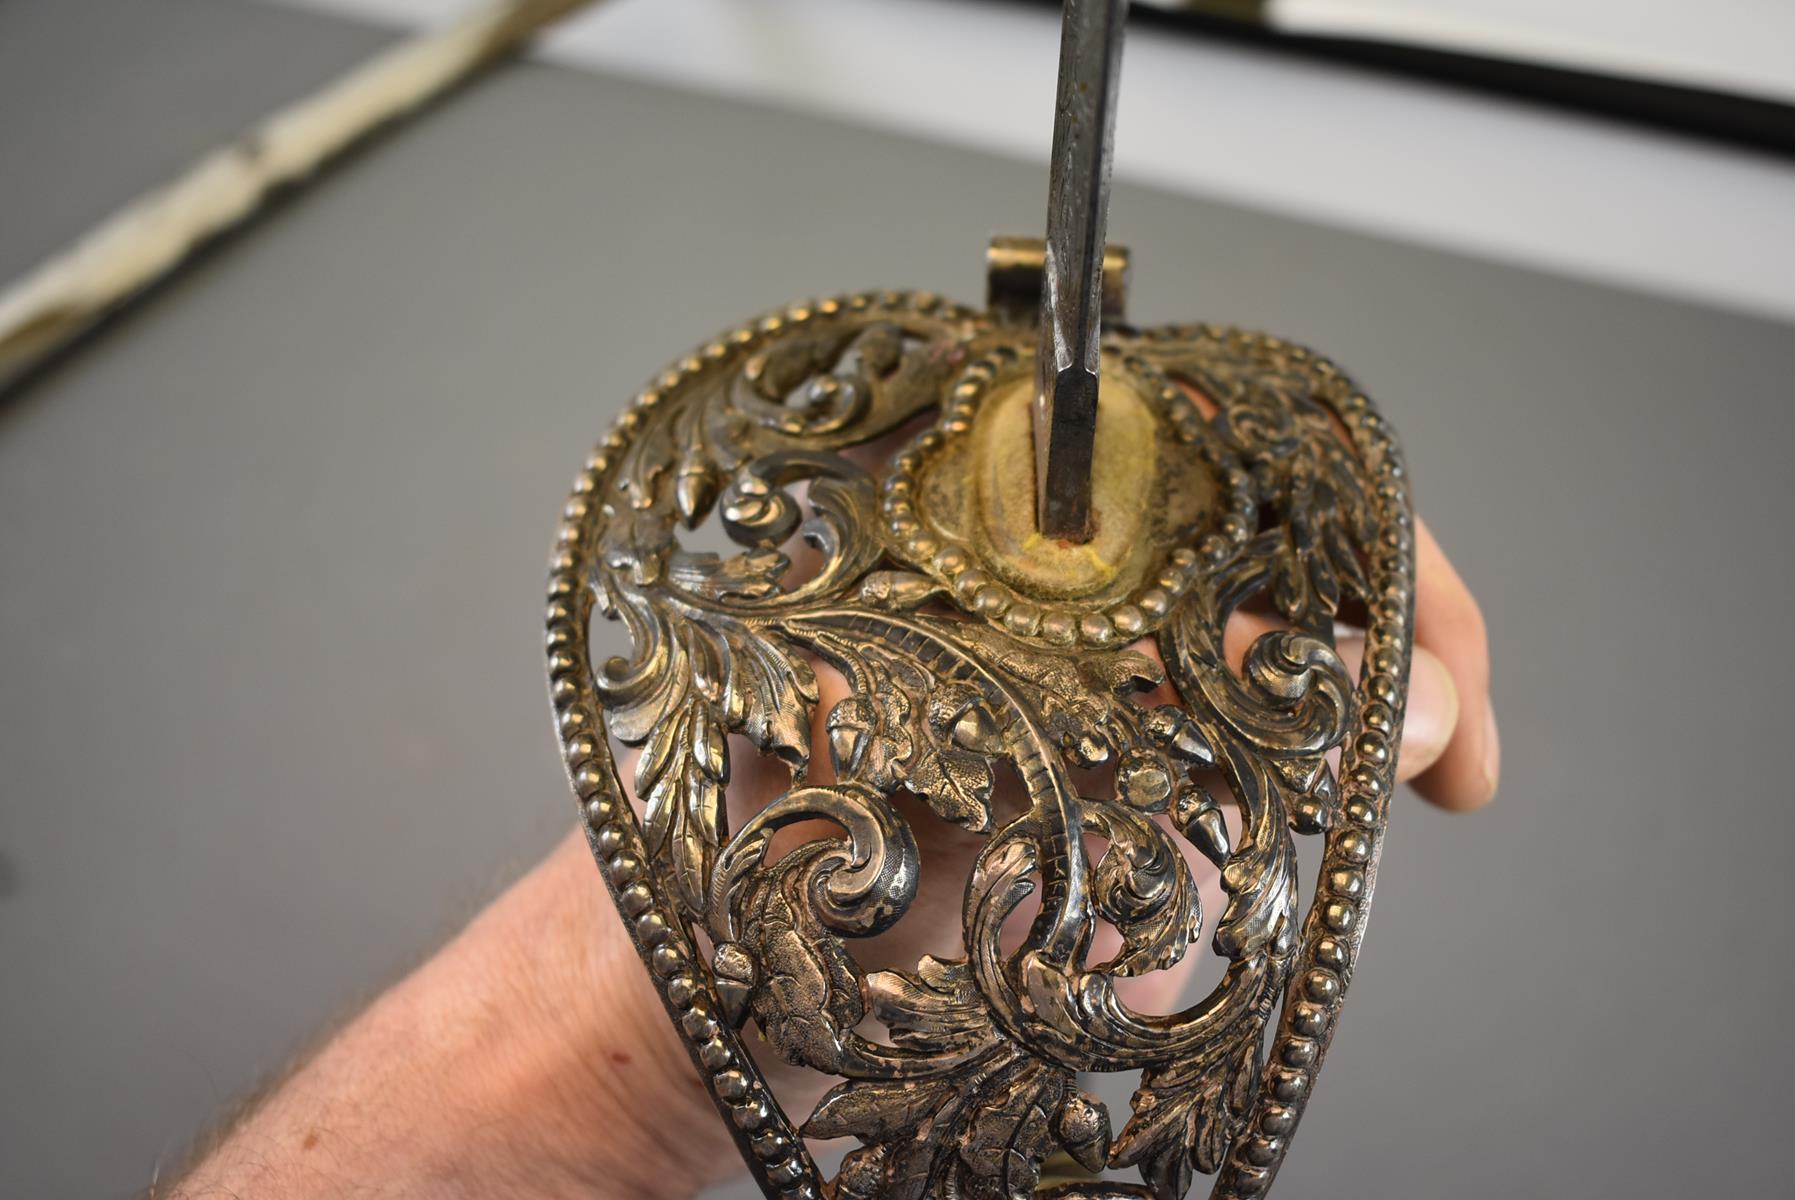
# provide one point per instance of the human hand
(531, 1056)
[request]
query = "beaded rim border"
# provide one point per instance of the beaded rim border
(955, 564)
(1334, 925)
(1333, 928)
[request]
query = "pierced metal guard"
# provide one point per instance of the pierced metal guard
(966, 656)
(1234, 471)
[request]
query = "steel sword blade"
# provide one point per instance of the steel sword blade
(1069, 359)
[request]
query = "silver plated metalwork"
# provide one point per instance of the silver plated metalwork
(1268, 483)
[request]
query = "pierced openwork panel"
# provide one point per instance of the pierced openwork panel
(1248, 476)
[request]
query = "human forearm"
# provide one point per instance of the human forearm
(483, 1074)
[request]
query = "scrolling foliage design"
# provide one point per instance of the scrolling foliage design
(971, 1089)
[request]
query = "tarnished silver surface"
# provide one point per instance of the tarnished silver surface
(1284, 495)
(1084, 130)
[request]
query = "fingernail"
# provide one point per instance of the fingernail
(1492, 754)
(1432, 712)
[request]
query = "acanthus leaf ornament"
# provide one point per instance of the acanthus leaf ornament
(1258, 480)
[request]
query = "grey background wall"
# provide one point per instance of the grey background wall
(271, 721)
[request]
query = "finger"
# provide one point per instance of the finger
(1433, 706)
(1449, 624)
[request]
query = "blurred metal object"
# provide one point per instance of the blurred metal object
(1071, 302)
(153, 235)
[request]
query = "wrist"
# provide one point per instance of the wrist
(594, 1062)
(528, 1058)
